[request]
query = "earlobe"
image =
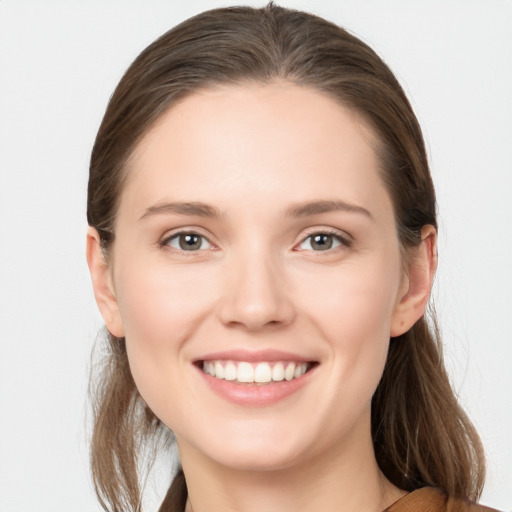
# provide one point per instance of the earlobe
(102, 284)
(413, 302)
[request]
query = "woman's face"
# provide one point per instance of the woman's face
(255, 241)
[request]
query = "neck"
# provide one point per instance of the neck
(341, 480)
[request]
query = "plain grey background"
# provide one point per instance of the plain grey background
(59, 62)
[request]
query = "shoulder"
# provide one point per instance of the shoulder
(430, 499)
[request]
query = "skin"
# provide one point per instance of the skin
(254, 152)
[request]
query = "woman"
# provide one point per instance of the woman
(262, 246)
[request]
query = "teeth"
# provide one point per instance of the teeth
(263, 373)
(230, 372)
(219, 370)
(289, 372)
(245, 373)
(298, 371)
(278, 372)
(259, 373)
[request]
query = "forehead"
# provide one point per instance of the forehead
(277, 141)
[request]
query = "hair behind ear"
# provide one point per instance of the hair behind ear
(123, 427)
(422, 436)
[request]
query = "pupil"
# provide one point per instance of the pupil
(190, 242)
(322, 242)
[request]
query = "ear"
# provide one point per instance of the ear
(417, 283)
(101, 276)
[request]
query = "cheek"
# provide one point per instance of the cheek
(161, 310)
(160, 303)
(356, 301)
(353, 313)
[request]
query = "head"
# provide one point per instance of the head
(256, 62)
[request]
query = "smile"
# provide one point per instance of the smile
(255, 379)
(251, 372)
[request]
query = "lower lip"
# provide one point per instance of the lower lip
(255, 395)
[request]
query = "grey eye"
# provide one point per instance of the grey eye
(320, 242)
(188, 242)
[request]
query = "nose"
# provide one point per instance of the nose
(255, 295)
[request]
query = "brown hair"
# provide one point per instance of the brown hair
(421, 434)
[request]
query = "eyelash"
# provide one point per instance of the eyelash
(343, 241)
(175, 236)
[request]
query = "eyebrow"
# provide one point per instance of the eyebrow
(325, 206)
(183, 208)
(306, 209)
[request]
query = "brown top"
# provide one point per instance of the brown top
(430, 499)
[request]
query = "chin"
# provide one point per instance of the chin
(246, 447)
(247, 458)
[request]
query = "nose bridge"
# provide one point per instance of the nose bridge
(254, 292)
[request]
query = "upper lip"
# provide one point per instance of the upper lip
(253, 356)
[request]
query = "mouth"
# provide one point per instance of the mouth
(251, 372)
(255, 379)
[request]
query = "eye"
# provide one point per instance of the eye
(187, 242)
(322, 242)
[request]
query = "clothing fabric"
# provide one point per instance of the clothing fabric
(430, 499)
